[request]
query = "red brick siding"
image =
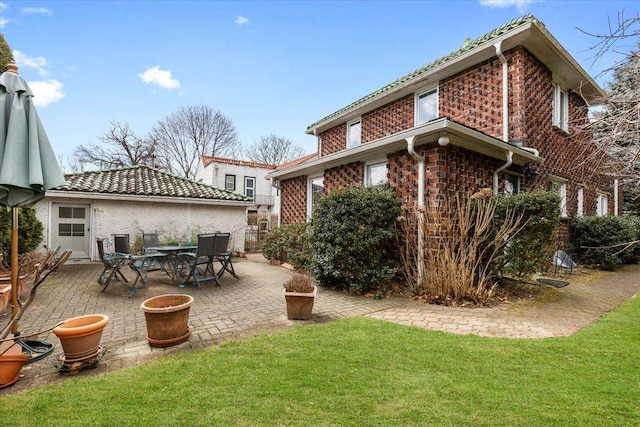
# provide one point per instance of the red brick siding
(293, 200)
(350, 174)
(388, 119)
(334, 139)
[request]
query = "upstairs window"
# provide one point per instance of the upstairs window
(376, 174)
(560, 108)
(230, 182)
(354, 132)
(250, 186)
(426, 106)
(560, 187)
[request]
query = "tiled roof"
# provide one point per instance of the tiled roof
(297, 161)
(207, 160)
(144, 181)
(427, 68)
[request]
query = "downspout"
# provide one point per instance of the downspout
(276, 184)
(410, 148)
(505, 114)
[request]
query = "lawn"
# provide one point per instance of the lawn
(363, 372)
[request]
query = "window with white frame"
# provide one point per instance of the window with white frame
(560, 187)
(250, 186)
(580, 210)
(354, 133)
(426, 106)
(376, 174)
(511, 184)
(230, 182)
(602, 204)
(560, 108)
(315, 191)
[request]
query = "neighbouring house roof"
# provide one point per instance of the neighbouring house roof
(143, 182)
(298, 161)
(207, 160)
(526, 31)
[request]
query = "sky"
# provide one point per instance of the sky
(271, 67)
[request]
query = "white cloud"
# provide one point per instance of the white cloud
(38, 63)
(241, 20)
(3, 6)
(37, 11)
(46, 92)
(521, 5)
(162, 78)
(3, 21)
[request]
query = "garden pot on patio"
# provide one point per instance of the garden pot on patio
(80, 336)
(167, 318)
(5, 290)
(299, 293)
(11, 361)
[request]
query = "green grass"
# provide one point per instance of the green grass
(363, 372)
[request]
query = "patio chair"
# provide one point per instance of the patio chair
(157, 259)
(199, 265)
(223, 255)
(112, 263)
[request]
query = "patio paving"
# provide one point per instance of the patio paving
(255, 304)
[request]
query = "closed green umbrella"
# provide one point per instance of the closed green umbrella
(28, 166)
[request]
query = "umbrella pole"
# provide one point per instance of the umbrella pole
(14, 266)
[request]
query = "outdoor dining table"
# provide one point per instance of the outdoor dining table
(172, 262)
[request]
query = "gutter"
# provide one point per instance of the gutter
(411, 149)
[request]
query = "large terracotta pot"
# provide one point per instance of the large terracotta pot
(11, 361)
(80, 336)
(300, 305)
(167, 318)
(5, 290)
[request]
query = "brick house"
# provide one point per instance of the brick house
(504, 111)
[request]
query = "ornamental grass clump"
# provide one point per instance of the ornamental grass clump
(300, 284)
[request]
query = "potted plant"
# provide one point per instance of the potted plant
(299, 293)
(11, 362)
(80, 336)
(167, 318)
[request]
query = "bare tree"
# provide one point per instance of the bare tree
(273, 150)
(191, 132)
(119, 147)
(616, 123)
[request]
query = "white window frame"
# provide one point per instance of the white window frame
(310, 201)
(419, 95)
(247, 187)
(602, 203)
(559, 185)
(560, 108)
(368, 175)
(226, 182)
(516, 188)
(354, 139)
(580, 196)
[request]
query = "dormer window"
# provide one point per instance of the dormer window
(426, 106)
(560, 108)
(354, 133)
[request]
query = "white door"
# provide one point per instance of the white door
(70, 228)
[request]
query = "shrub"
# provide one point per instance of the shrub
(300, 283)
(289, 243)
(531, 249)
(353, 236)
(29, 232)
(606, 241)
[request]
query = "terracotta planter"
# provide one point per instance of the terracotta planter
(167, 318)
(300, 305)
(11, 362)
(80, 336)
(5, 290)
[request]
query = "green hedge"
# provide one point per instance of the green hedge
(289, 243)
(29, 232)
(606, 241)
(353, 236)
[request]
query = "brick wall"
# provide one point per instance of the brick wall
(293, 206)
(350, 174)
